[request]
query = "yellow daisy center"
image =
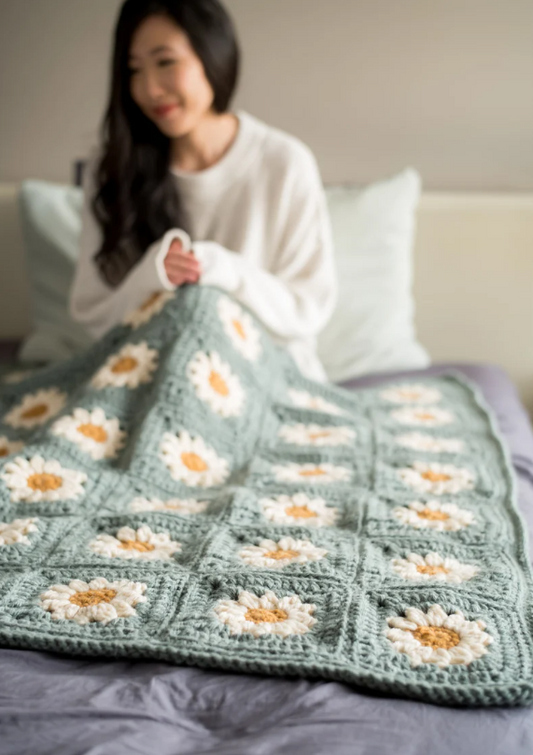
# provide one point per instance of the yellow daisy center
(300, 512)
(93, 597)
(237, 324)
(316, 472)
(435, 476)
(44, 482)
(425, 416)
(151, 300)
(3, 451)
(323, 434)
(431, 570)
(194, 462)
(135, 545)
(95, 432)
(218, 384)
(281, 554)
(125, 364)
(264, 615)
(35, 411)
(433, 515)
(436, 637)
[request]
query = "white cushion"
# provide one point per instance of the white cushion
(372, 328)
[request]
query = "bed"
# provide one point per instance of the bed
(50, 703)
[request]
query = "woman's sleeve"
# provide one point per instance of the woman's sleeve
(94, 304)
(297, 296)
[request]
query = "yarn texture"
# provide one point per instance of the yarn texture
(181, 492)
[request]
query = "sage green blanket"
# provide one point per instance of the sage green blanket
(181, 492)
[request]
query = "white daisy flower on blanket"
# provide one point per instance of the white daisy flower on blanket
(39, 480)
(430, 416)
(422, 442)
(17, 531)
(414, 393)
(97, 600)
(240, 328)
(305, 400)
(148, 309)
(192, 462)
(437, 637)
(444, 517)
(141, 544)
(316, 435)
(316, 473)
(267, 614)
(36, 408)
(275, 555)
(8, 447)
(299, 509)
(98, 436)
(185, 507)
(17, 376)
(216, 384)
(132, 366)
(433, 568)
(436, 479)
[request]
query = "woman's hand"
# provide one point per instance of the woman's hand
(181, 267)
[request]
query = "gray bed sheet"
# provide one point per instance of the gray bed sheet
(54, 705)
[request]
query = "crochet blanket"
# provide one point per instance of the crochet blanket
(181, 492)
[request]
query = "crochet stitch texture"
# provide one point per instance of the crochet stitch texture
(181, 492)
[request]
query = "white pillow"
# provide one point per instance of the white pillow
(372, 328)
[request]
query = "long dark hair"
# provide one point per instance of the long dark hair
(136, 199)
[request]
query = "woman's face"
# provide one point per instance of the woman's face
(166, 73)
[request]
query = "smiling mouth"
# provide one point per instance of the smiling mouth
(162, 112)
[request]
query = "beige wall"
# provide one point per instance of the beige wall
(370, 85)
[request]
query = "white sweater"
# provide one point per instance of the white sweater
(261, 231)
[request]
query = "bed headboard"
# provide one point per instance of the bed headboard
(473, 279)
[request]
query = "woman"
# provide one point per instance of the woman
(184, 191)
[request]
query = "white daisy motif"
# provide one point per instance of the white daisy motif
(93, 432)
(305, 400)
(430, 416)
(299, 510)
(436, 479)
(17, 376)
(8, 447)
(275, 555)
(148, 309)
(240, 328)
(132, 366)
(184, 507)
(141, 544)
(422, 442)
(437, 637)
(41, 480)
(444, 517)
(36, 408)
(216, 384)
(267, 614)
(316, 435)
(411, 394)
(433, 568)
(97, 600)
(319, 473)
(192, 462)
(17, 531)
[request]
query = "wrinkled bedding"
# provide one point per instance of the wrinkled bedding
(52, 704)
